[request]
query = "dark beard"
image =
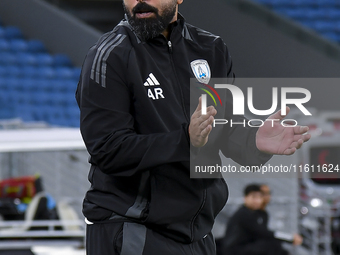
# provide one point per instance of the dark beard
(148, 28)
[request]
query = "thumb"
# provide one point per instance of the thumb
(278, 115)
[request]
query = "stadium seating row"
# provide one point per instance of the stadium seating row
(20, 45)
(10, 32)
(39, 72)
(43, 59)
(35, 85)
(301, 3)
(322, 16)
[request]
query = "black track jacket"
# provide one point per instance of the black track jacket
(138, 140)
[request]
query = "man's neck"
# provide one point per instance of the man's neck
(166, 32)
(249, 208)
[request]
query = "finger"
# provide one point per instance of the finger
(289, 151)
(278, 115)
(202, 118)
(199, 106)
(305, 138)
(198, 112)
(211, 111)
(207, 122)
(205, 132)
(297, 144)
(301, 129)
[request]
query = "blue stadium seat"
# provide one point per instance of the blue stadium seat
(2, 85)
(29, 72)
(306, 13)
(64, 86)
(76, 73)
(18, 45)
(62, 60)
(71, 100)
(4, 45)
(326, 3)
(2, 32)
(43, 85)
(56, 86)
(27, 59)
(60, 100)
(337, 26)
(70, 86)
(323, 26)
(6, 110)
(55, 116)
(22, 99)
(5, 86)
(334, 14)
(66, 122)
(314, 14)
(44, 59)
(12, 85)
(7, 58)
(331, 35)
(308, 23)
(12, 32)
(42, 99)
(28, 85)
(36, 112)
(46, 72)
(291, 12)
(14, 71)
(64, 73)
(73, 116)
(36, 46)
(3, 72)
(24, 111)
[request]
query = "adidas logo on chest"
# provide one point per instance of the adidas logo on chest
(155, 92)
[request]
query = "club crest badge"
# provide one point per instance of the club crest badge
(201, 70)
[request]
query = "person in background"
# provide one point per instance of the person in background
(296, 239)
(247, 231)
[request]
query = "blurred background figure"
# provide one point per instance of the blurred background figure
(247, 231)
(296, 239)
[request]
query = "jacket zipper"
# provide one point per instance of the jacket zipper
(188, 119)
(179, 85)
(197, 213)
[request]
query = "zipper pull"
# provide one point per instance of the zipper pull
(170, 46)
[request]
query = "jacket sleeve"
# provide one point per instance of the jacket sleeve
(239, 142)
(107, 127)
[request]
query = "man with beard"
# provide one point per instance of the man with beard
(134, 98)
